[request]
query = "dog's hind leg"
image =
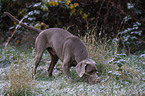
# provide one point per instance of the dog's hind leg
(54, 60)
(37, 60)
(40, 47)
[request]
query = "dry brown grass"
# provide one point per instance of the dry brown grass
(101, 51)
(20, 83)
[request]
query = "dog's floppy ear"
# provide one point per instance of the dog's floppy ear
(80, 68)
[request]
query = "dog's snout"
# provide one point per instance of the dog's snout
(98, 80)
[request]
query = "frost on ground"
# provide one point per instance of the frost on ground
(4, 72)
(61, 87)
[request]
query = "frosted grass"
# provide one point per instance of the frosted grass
(61, 87)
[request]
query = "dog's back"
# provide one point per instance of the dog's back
(63, 43)
(54, 38)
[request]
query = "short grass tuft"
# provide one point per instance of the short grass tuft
(21, 83)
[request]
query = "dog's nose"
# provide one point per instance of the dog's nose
(98, 80)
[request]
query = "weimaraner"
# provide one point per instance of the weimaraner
(62, 45)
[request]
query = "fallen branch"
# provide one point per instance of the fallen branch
(12, 34)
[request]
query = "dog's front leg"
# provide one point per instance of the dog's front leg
(65, 68)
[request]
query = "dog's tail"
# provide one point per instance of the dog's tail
(22, 24)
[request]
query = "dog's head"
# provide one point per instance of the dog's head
(87, 67)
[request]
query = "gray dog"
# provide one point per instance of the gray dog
(64, 46)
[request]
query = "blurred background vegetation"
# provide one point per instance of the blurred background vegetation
(124, 19)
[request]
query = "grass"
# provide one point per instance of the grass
(17, 74)
(16, 69)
